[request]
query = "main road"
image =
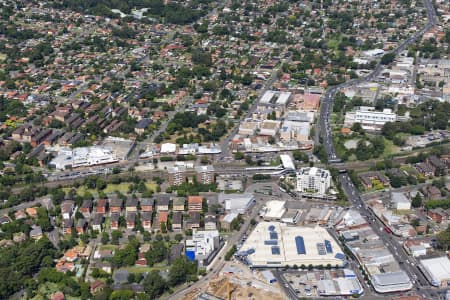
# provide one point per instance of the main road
(347, 185)
(327, 101)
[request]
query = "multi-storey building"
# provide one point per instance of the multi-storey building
(313, 180)
(205, 174)
(369, 118)
(177, 175)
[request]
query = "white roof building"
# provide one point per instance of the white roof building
(369, 118)
(275, 209)
(168, 148)
(267, 97)
(390, 282)
(202, 244)
(237, 203)
(275, 244)
(437, 270)
(339, 286)
(83, 157)
(269, 127)
(287, 162)
(284, 98)
(374, 52)
(275, 98)
(400, 201)
(313, 180)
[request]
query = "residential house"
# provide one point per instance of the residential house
(67, 225)
(31, 211)
(142, 125)
(114, 221)
(194, 220)
(67, 209)
(81, 226)
(19, 215)
(97, 286)
(163, 217)
(438, 214)
(86, 208)
(115, 205)
(104, 266)
(36, 233)
(177, 220)
(195, 203)
(162, 204)
(368, 178)
(58, 296)
(439, 165)
(146, 219)
(178, 204)
(210, 222)
(225, 221)
(175, 252)
(131, 205)
(19, 237)
(5, 219)
(147, 205)
(426, 169)
(141, 261)
(102, 206)
(131, 220)
(432, 192)
(97, 222)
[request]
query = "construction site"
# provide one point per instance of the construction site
(237, 286)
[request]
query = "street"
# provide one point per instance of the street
(406, 263)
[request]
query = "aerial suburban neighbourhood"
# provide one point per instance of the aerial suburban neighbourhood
(218, 150)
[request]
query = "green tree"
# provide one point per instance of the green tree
(239, 155)
(154, 285)
(181, 271)
(387, 58)
(416, 201)
(122, 295)
(157, 253)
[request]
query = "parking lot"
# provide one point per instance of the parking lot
(303, 283)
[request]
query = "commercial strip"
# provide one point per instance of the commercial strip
(366, 246)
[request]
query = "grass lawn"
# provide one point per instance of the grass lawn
(2, 56)
(121, 187)
(136, 269)
(47, 289)
(107, 224)
(402, 212)
(390, 148)
(108, 247)
(409, 169)
(111, 188)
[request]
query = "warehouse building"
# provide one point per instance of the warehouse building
(237, 203)
(437, 270)
(82, 157)
(274, 244)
